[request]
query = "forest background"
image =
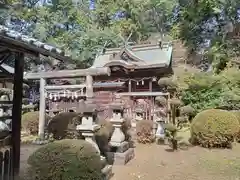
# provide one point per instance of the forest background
(207, 29)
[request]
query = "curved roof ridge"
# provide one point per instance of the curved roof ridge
(133, 55)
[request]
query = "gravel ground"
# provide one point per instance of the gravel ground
(157, 162)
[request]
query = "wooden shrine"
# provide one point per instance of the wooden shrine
(135, 71)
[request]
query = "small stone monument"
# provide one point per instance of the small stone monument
(87, 129)
(121, 152)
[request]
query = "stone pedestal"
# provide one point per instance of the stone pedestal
(120, 152)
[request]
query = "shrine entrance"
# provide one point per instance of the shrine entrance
(143, 101)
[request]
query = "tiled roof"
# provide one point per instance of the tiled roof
(31, 45)
(7, 68)
(148, 56)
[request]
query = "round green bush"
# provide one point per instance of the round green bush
(30, 121)
(62, 124)
(67, 159)
(214, 128)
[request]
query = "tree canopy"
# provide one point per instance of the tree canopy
(84, 28)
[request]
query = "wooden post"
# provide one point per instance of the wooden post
(89, 86)
(89, 89)
(17, 112)
(150, 100)
(129, 85)
(42, 109)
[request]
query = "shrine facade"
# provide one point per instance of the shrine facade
(135, 71)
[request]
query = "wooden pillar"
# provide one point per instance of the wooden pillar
(150, 100)
(17, 112)
(129, 85)
(89, 89)
(89, 86)
(42, 109)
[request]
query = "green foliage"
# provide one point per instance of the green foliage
(175, 102)
(171, 133)
(103, 135)
(214, 128)
(144, 131)
(30, 122)
(193, 28)
(187, 110)
(167, 83)
(65, 159)
(64, 125)
(237, 114)
(126, 129)
(82, 32)
(160, 100)
(204, 90)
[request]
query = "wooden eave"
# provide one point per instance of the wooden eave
(15, 41)
(134, 66)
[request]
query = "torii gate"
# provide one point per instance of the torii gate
(42, 76)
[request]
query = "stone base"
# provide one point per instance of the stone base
(107, 172)
(123, 147)
(117, 158)
(162, 141)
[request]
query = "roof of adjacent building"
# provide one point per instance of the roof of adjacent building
(137, 57)
(30, 45)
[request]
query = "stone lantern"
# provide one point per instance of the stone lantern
(117, 120)
(121, 152)
(88, 126)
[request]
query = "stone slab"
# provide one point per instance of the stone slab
(120, 158)
(123, 147)
(107, 172)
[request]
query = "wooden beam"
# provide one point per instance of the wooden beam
(5, 57)
(17, 112)
(42, 108)
(69, 73)
(54, 87)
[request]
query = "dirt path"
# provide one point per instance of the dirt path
(26, 151)
(154, 162)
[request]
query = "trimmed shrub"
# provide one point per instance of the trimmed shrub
(214, 128)
(171, 133)
(175, 102)
(126, 129)
(161, 101)
(63, 125)
(237, 114)
(144, 131)
(187, 111)
(167, 83)
(103, 135)
(30, 121)
(66, 159)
